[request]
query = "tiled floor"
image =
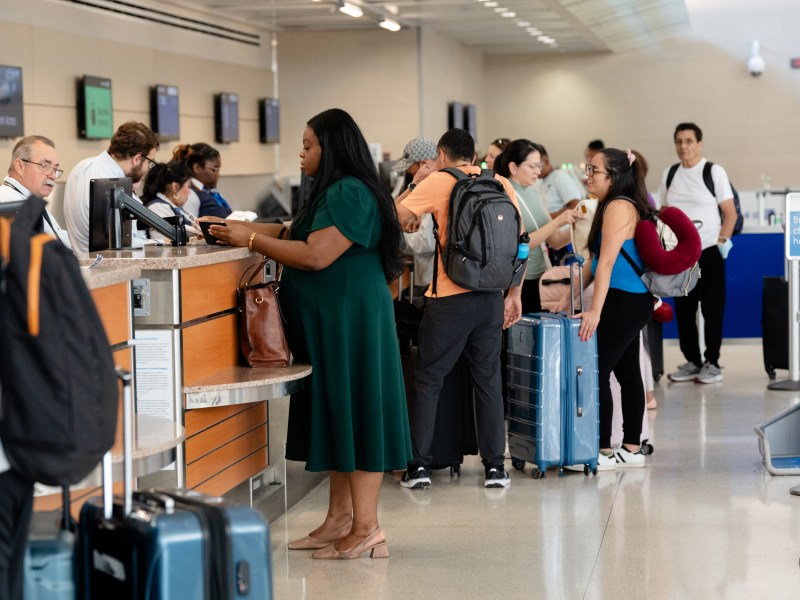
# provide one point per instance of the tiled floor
(703, 520)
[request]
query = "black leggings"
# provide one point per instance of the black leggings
(622, 319)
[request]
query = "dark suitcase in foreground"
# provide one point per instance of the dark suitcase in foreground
(554, 409)
(455, 433)
(160, 545)
(775, 324)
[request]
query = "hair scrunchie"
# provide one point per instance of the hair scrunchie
(631, 156)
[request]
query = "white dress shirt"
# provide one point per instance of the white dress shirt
(12, 190)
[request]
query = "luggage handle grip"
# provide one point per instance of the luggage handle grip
(579, 386)
(127, 453)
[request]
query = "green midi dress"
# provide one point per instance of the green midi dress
(352, 413)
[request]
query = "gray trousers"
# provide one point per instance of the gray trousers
(469, 324)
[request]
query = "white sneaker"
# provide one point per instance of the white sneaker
(686, 372)
(606, 462)
(627, 459)
(709, 374)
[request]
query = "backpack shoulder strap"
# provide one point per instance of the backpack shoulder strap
(457, 173)
(671, 173)
(632, 263)
(707, 178)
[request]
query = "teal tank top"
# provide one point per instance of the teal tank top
(623, 277)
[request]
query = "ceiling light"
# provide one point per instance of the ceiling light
(534, 31)
(350, 9)
(490, 4)
(522, 23)
(390, 25)
(542, 38)
(508, 15)
(499, 9)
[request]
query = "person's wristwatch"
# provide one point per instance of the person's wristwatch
(411, 186)
(721, 240)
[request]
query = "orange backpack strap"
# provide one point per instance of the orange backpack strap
(5, 239)
(35, 279)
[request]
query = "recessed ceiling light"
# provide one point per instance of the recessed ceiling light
(522, 23)
(390, 25)
(497, 10)
(508, 15)
(490, 4)
(350, 9)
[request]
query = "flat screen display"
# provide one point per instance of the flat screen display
(455, 115)
(11, 123)
(100, 211)
(226, 117)
(470, 120)
(269, 120)
(164, 115)
(95, 114)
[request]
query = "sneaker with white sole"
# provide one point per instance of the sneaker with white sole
(627, 459)
(496, 477)
(686, 372)
(606, 462)
(416, 478)
(709, 374)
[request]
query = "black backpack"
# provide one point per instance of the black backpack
(709, 181)
(58, 409)
(483, 235)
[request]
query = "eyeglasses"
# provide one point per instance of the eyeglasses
(592, 170)
(537, 166)
(150, 160)
(46, 168)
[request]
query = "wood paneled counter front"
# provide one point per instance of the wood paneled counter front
(188, 365)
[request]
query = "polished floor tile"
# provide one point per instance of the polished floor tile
(703, 520)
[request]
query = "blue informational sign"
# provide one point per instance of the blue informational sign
(793, 226)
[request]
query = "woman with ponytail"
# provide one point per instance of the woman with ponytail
(165, 192)
(621, 305)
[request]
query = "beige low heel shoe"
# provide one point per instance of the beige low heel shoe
(375, 543)
(311, 543)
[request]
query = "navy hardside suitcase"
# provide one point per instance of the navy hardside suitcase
(774, 324)
(553, 412)
(161, 545)
(175, 545)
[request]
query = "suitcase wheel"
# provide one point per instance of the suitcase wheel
(586, 470)
(594, 471)
(455, 470)
(518, 463)
(647, 448)
(537, 473)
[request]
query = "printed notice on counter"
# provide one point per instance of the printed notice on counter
(155, 376)
(792, 226)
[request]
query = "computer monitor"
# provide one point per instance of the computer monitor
(226, 117)
(164, 113)
(9, 209)
(471, 120)
(455, 115)
(269, 120)
(100, 211)
(11, 121)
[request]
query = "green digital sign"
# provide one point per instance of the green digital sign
(96, 119)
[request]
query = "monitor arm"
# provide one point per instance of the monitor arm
(124, 207)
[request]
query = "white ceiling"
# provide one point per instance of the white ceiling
(576, 25)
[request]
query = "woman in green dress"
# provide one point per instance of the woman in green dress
(342, 249)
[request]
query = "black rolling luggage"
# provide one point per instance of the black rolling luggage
(775, 324)
(654, 341)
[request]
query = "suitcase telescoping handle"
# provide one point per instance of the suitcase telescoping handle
(579, 389)
(127, 453)
(574, 260)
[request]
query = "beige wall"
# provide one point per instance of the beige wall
(135, 55)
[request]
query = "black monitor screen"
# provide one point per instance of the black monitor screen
(100, 209)
(10, 209)
(226, 117)
(11, 123)
(95, 115)
(470, 120)
(164, 116)
(455, 115)
(269, 120)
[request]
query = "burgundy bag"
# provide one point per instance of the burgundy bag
(261, 336)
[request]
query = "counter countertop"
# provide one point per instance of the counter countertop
(100, 277)
(152, 258)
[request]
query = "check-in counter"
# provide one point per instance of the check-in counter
(188, 366)
(155, 439)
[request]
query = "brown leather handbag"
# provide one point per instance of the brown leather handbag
(261, 336)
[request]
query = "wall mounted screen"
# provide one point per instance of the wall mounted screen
(471, 121)
(226, 117)
(269, 121)
(164, 115)
(11, 122)
(455, 115)
(95, 114)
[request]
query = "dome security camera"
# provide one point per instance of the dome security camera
(756, 64)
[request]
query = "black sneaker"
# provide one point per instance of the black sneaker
(496, 477)
(416, 478)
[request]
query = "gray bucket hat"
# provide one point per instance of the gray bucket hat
(416, 150)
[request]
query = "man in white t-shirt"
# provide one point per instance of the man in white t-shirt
(688, 191)
(557, 188)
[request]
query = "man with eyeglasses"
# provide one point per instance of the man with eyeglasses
(130, 153)
(34, 169)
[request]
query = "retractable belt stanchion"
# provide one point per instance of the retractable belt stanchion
(792, 245)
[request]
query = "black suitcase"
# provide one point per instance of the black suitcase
(654, 341)
(775, 324)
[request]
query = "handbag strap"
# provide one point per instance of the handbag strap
(248, 276)
(543, 245)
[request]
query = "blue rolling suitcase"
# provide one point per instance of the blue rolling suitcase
(554, 405)
(164, 545)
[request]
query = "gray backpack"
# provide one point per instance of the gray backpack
(666, 286)
(483, 235)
